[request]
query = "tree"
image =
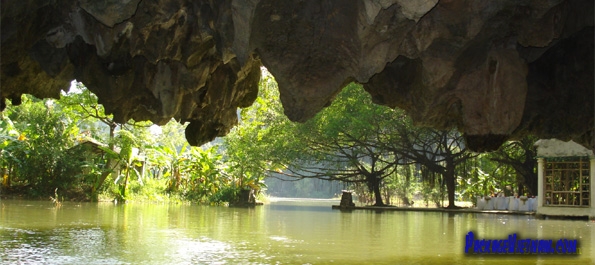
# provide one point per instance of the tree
(438, 151)
(206, 178)
(39, 160)
(50, 144)
(354, 141)
(10, 144)
(82, 105)
(128, 159)
(343, 142)
(255, 146)
(520, 155)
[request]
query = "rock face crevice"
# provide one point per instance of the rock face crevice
(145, 60)
(496, 70)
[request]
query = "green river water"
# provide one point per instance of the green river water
(288, 231)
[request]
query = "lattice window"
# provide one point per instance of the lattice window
(567, 182)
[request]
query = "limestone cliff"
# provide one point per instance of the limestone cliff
(494, 69)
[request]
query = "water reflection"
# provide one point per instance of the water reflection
(288, 232)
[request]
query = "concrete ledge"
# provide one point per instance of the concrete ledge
(419, 209)
(566, 211)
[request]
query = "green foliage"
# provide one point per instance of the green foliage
(204, 178)
(256, 146)
(71, 144)
(41, 158)
(226, 194)
(345, 142)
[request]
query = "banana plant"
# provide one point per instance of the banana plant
(128, 159)
(172, 160)
(204, 173)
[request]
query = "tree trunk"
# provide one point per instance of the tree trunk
(378, 196)
(123, 188)
(109, 166)
(521, 188)
(449, 177)
(530, 176)
(374, 185)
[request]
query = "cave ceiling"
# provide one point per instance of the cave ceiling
(495, 70)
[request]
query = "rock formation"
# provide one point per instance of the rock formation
(496, 70)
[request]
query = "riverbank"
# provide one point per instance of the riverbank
(138, 198)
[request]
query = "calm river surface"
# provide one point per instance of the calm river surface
(282, 232)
